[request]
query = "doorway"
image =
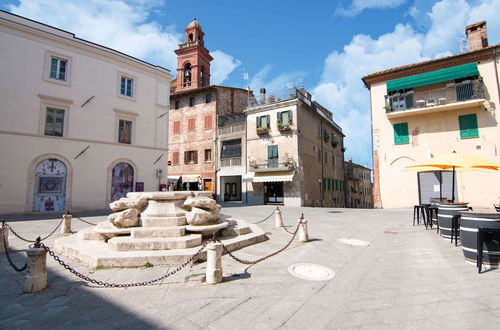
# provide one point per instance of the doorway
(273, 193)
(50, 186)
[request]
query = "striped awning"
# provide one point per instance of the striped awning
(273, 176)
(433, 77)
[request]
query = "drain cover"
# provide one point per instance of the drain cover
(311, 272)
(353, 241)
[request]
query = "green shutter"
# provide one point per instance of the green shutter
(328, 181)
(468, 126)
(401, 133)
(433, 77)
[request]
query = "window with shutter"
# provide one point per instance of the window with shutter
(191, 125)
(195, 157)
(177, 127)
(468, 126)
(401, 133)
(208, 122)
(272, 156)
(175, 158)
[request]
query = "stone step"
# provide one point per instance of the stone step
(154, 243)
(163, 221)
(236, 230)
(144, 232)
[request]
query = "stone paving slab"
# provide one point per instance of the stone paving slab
(407, 278)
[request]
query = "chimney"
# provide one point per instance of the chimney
(262, 95)
(477, 37)
(350, 159)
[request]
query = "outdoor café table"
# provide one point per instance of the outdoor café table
(469, 224)
(446, 211)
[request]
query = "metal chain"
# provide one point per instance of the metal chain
(121, 285)
(270, 215)
(4, 239)
(290, 232)
(248, 262)
(33, 241)
(87, 222)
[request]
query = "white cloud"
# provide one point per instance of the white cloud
(341, 89)
(222, 65)
(276, 85)
(358, 6)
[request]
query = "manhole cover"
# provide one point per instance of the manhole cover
(311, 272)
(353, 241)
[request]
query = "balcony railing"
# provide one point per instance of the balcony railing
(452, 93)
(271, 164)
(234, 161)
(232, 128)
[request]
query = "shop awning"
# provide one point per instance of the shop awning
(433, 77)
(173, 177)
(191, 178)
(273, 176)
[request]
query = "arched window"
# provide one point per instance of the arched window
(190, 37)
(122, 180)
(50, 186)
(187, 75)
(202, 77)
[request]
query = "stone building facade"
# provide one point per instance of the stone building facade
(432, 108)
(295, 152)
(195, 107)
(80, 124)
(359, 186)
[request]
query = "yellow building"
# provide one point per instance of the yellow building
(431, 108)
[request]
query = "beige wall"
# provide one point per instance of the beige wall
(437, 133)
(93, 72)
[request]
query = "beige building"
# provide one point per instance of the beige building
(359, 186)
(295, 152)
(431, 108)
(80, 124)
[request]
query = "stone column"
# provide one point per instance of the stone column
(4, 232)
(303, 232)
(214, 263)
(66, 224)
(278, 219)
(36, 277)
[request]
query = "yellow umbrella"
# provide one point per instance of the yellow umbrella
(455, 161)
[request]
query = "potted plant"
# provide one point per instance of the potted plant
(262, 130)
(282, 126)
(388, 107)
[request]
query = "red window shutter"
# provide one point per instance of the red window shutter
(208, 122)
(175, 157)
(177, 127)
(191, 124)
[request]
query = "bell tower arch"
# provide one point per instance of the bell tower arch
(193, 59)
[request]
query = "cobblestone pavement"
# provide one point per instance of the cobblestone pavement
(406, 277)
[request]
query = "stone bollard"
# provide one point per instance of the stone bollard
(278, 219)
(214, 263)
(303, 233)
(36, 278)
(4, 234)
(66, 224)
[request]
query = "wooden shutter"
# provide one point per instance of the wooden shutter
(208, 122)
(195, 156)
(268, 117)
(278, 117)
(191, 124)
(186, 157)
(468, 126)
(258, 121)
(290, 119)
(177, 127)
(401, 133)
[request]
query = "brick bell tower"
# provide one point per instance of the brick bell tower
(193, 60)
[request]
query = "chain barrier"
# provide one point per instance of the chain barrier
(38, 238)
(270, 215)
(248, 262)
(120, 285)
(85, 221)
(286, 230)
(4, 242)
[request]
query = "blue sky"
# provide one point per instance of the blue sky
(326, 46)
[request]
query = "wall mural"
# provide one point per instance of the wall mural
(50, 186)
(122, 180)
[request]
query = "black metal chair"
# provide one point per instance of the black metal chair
(455, 228)
(482, 235)
(432, 210)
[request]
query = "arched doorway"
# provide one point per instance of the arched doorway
(49, 186)
(122, 180)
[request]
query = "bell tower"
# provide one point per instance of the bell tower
(193, 59)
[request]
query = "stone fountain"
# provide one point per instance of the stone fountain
(159, 228)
